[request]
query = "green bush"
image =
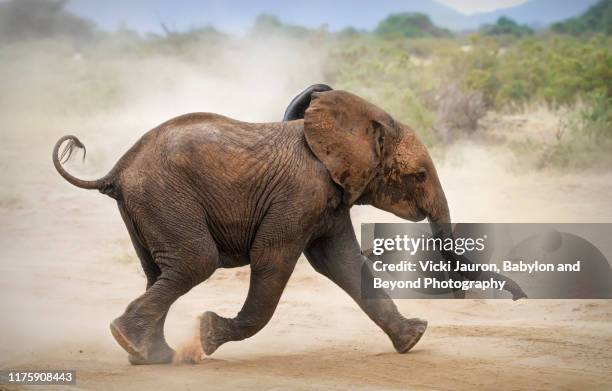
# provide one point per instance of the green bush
(506, 26)
(409, 25)
(556, 69)
(270, 24)
(593, 120)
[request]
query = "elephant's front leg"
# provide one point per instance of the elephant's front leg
(270, 271)
(339, 258)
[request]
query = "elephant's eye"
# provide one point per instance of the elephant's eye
(421, 175)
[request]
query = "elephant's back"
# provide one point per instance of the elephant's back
(217, 141)
(209, 147)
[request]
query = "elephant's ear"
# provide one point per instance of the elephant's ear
(347, 134)
(300, 103)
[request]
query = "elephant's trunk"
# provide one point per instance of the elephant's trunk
(441, 228)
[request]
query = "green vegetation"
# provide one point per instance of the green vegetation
(558, 70)
(506, 26)
(590, 138)
(440, 85)
(409, 25)
(597, 19)
(381, 71)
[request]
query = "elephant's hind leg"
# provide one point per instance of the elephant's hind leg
(270, 272)
(159, 352)
(183, 260)
(138, 329)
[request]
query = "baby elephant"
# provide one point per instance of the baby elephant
(203, 191)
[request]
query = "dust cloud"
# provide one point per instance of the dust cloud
(53, 87)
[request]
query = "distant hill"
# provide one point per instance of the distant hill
(597, 19)
(239, 15)
(535, 13)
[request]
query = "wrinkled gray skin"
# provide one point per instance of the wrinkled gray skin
(202, 191)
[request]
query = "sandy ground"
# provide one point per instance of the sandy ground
(67, 268)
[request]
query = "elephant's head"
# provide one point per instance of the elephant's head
(375, 159)
(379, 161)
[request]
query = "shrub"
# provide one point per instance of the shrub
(558, 70)
(506, 26)
(409, 25)
(270, 24)
(588, 139)
(458, 112)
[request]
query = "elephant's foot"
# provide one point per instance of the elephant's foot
(126, 341)
(213, 332)
(410, 332)
(140, 351)
(158, 353)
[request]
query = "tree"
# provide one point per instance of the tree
(271, 24)
(35, 19)
(410, 25)
(506, 26)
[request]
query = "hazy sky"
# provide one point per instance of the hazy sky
(236, 16)
(471, 6)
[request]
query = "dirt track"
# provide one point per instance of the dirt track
(67, 269)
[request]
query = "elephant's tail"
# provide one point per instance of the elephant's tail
(105, 184)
